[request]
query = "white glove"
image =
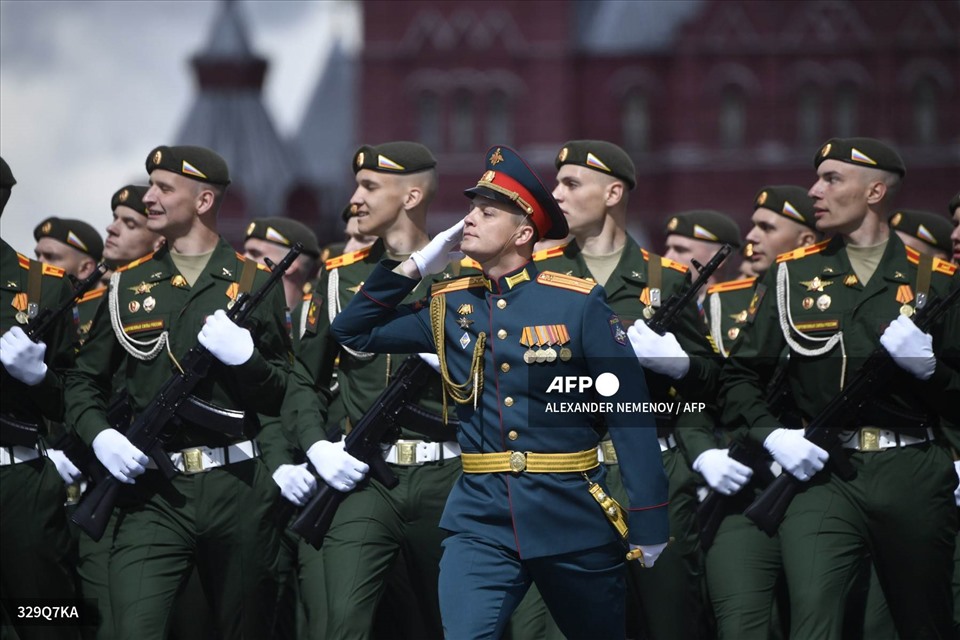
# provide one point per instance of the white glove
(724, 474)
(660, 354)
(296, 482)
(650, 553)
(800, 457)
(911, 348)
(956, 492)
(230, 344)
(22, 357)
(439, 252)
(67, 470)
(431, 359)
(338, 468)
(123, 460)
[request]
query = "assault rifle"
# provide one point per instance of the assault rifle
(17, 432)
(93, 512)
(666, 314)
(379, 424)
(768, 509)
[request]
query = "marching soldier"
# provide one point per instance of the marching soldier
(530, 506)
(925, 231)
(697, 235)
(272, 238)
(395, 183)
(833, 304)
(215, 512)
(72, 245)
(955, 235)
(783, 220)
(35, 554)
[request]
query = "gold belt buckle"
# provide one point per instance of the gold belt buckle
(870, 439)
(192, 460)
(406, 452)
(518, 461)
(609, 453)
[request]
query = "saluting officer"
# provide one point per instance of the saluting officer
(214, 513)
(783, 220)
(530, 505)
(34, 556)
(833, 304)
(925, 231)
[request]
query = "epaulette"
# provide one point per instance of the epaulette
(242, 258)
(563, 281)
(135, 263)
(470, 263)
(940, 266)
(47, 269)
(92, 295)
(347, 258)
(459, 284)
(552, 252)
(731, 285)
(803, 251)
(666, 262)
(307, 296)
(23, 260)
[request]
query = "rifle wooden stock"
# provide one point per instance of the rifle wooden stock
(93, 512)
(363, 443)
(769, 508)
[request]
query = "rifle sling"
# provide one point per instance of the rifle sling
(247, 275)
(924, 275)
(34, 285)
(654, 278)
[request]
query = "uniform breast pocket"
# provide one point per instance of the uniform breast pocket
(819, 326)
(144, 328)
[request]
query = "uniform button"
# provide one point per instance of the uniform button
(513, 435)
(501, 303)
(505, 367)
(502, 334)
(508, 401)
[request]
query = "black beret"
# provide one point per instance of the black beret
(130, 196)
(394, 157)
(510, 179)
(706, 225)
(863, 152)
(197, 163)
(954, 203)
(348, 212)
(6, 176)
(601, 156)
(790, 201)
(75, 233)
(932, 228)
(284, 232)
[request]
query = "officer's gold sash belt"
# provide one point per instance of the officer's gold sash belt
(518, 461)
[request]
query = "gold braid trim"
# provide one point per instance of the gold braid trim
(468, 391)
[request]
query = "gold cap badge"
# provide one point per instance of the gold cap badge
(825, 150)
(672, 225)
(360, 159)
(563, 154)
(496, 157)
(124, 195)
(762, 198)
(157, 157)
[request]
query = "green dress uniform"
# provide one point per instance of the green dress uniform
(35, 554)
(214, 516)
(901, 499)
(374, 525)
(671, 592)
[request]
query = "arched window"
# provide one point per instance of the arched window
(462, 126)
(499, 119)
(635, 121)
(809, 116)
(429, 119)
(845, 117)
(925, 112)
(733, 117)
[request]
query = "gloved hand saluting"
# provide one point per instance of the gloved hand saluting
(22, 357)
(230, 344)
(438, 253)
(296, 482)
(123, 460)
(338, 468)
(800, 457)
(724, 474)
(911, 348)
(660, 354)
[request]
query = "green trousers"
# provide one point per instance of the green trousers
(37, 556)
(899, 510)
(224, 523)
(371, 528)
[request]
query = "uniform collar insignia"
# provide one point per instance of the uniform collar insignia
(517, 278)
